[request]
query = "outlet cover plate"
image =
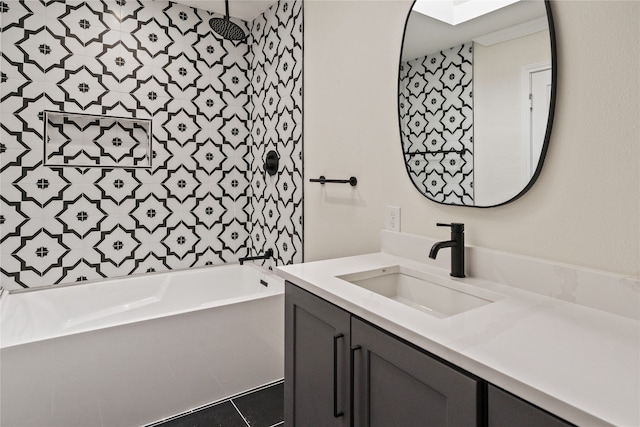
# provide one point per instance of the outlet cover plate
(392, 218)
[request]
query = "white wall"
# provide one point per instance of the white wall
(585, 207)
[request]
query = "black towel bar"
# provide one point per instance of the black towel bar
(322, 180)
(424, 153)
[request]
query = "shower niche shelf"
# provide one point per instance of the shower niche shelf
(85, 140)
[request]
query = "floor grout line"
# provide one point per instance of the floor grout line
(207, 406)
(260, 388)
(212, 405)
(243, 418)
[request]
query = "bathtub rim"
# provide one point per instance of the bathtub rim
(267, 278)
(5, 292)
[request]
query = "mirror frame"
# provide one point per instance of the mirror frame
(547, 136)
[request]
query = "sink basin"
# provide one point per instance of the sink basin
(438, 296)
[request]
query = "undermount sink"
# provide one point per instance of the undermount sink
(438, 296)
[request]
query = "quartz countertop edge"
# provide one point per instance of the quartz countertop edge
(578, 363)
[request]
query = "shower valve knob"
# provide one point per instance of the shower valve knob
(271, 163)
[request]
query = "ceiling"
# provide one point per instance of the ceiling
(246, 10)
(425, 35)
(423, 28)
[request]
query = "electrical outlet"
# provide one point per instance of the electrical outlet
(392, 222)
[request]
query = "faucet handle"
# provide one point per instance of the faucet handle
(456, 227)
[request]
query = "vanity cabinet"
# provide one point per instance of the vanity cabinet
(338, 367)
(507, 410)
(317, 338)
(396, 384)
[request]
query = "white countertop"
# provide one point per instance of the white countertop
(577, 362)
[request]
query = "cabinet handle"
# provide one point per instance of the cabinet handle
(336, 414)
(352, 383)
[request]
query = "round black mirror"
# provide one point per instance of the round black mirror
(476, 98)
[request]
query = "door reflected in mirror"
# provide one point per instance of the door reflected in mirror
(476, 98)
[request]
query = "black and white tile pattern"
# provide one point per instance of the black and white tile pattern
(216, 107)
(87, 140)
(436, 111)
(276, 90)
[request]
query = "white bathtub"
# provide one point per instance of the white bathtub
(135, 350)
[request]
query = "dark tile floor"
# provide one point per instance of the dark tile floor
(260, 408)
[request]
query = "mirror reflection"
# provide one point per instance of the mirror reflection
(475, 98)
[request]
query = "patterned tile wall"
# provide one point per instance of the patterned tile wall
(143, 59)
(436, 111)
(73, 139)
(276, 91)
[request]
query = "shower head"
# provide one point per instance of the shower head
(227, 29)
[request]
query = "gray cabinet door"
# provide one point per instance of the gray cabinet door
(507, 410)
(395, 384)
(316, 382)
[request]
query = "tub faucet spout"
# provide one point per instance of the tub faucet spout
(457, 248)
(268, 254)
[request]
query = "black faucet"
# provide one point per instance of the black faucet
(268, 254)
(457, 248)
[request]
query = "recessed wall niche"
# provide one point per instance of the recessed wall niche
(84, 140)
